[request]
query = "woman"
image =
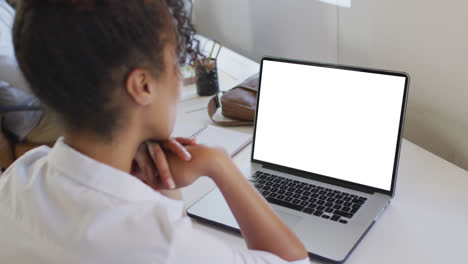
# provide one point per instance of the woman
(110, 68)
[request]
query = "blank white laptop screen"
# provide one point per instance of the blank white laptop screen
(338, 123)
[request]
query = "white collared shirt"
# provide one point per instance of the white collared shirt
(60, 206)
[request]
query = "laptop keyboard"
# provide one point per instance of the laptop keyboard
(308, 198)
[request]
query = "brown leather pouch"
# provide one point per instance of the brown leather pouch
(239, 103)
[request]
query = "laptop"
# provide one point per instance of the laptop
(325, 151)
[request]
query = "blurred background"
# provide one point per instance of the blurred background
(426, 38)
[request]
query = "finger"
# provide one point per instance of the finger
(159, 159)
(137, 171)
(145, 166)
(186, 141)
(140, 161)
(175, 147)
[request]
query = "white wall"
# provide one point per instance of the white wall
(427, 38)
(304, 29)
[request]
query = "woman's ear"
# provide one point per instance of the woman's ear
(139, 86)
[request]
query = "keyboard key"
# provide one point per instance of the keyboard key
(347, 204)
(318, 213)
(323, 197)
(347, 199)
(329, 210)
(308, 210)
(285, 204)
(283, 187)
(269, 183)
(335, 191)
(304, 203)
(299, 191)
(339, 197)
(356, 206)
(328, 204)
(353, 211)
(357, 201)
(344, 214)
(313, 200)
(326, 216)
(266, 188)
(265, 193)
(296, 201)
(281, 192)
(281, 197)
(303, 198)
(343, 221)
(288, 199)
(321, 202)
(296, 195)
(335, 218)
(312, 205)
(289, 194)
(339, 201)
(258, 186)
(362, 198)
(330, 200)
(274, 190)
(320, 207)
(276, 185)
(273, 195)
(315, 195)
(307, 193)
(346, 209)
(337, 207)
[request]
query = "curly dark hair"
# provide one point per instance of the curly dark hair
(76, 54)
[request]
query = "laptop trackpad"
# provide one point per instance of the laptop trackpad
(213, 207)
(289, 219)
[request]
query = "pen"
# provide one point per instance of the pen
(217, 54)
(212, 49)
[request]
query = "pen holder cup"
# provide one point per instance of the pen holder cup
(207, 78)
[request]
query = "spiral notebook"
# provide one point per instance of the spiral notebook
(232, 141)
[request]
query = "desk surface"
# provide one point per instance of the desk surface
(427, 221)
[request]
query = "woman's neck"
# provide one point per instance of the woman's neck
(118, 152)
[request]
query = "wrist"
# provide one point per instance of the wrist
(222, 166)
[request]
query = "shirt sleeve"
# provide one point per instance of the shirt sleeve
(193, 246)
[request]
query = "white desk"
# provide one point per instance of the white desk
(427, 221)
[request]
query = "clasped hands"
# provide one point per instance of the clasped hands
(174, 163)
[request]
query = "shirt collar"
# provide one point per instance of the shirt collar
(99, 176)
